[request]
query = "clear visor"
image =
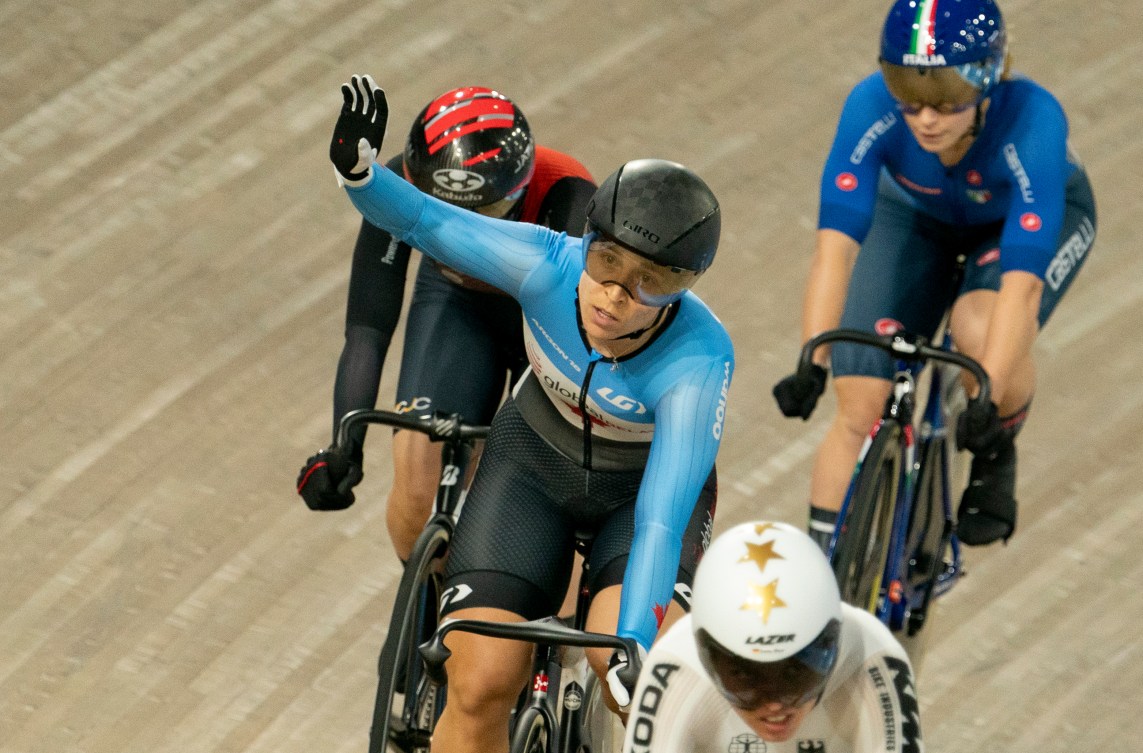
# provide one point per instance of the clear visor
(791, 682)
(945, 89)
(501, 209)
(609, 262)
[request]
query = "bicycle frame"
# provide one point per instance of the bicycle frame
(906, 586)
(448, 429)
(562, 727)
(415, 598)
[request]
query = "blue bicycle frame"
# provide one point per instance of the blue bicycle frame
(918, 562)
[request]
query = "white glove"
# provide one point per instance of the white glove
(619, 690)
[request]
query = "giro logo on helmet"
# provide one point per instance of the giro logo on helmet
(458, 181)
(653, 237)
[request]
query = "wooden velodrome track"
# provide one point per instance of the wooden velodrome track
(173, 260)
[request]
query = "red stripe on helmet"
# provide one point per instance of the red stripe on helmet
(456, 133)
(469, 109)
(931, 28)
(481, 157)
(450, 99)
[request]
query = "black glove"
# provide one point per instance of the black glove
(978, 429)
(360, 128)
(326, 480)
(798, 394)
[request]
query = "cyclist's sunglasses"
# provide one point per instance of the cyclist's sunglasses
(943, 89)
(791, 682)
(609, 262)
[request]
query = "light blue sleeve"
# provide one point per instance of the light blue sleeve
(688, 430)
(499, 252)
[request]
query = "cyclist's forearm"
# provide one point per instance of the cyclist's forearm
(649, 581)
(1012, 329)
(830, 270)
(498, 252)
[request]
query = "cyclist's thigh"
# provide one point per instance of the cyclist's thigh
(612, 544)
(901, 280)
(453, 358)
(513, 546)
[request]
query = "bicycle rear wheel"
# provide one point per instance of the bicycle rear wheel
(407, 706)
(863, 536)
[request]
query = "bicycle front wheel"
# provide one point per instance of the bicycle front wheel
(407, 706)
(532, 733)
(599, 728)
(863, 536)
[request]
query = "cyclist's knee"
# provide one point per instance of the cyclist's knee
(484, 678)
(860, 402)
(411, 503)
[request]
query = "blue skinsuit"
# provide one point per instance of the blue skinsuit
(671, 393)
(1016, 171)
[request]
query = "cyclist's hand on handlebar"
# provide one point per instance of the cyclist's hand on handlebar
(327, 479)
(978, 429)
(359, 131)
(798, 394)
(616, 672)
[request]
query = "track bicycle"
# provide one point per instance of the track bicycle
(580, 722)
(895, 548)
(406, 705)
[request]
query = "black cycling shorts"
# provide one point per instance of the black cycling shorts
(514, 544)
(462, 347)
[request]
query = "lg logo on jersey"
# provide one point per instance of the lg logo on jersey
(622, 402)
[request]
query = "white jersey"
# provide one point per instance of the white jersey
(869, 704)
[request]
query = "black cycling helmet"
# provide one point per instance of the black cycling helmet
(470, 147)
(659, 209)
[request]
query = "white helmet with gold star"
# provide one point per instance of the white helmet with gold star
(766, 614)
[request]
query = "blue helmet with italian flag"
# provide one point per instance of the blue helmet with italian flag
(943, 52)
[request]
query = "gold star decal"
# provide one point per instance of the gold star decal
(760, 554)
(761, 528)
(763, 599)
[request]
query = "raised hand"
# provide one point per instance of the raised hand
(359, 131)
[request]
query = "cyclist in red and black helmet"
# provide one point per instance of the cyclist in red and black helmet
(473, 148)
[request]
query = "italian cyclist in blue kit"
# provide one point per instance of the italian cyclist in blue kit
(613, 429)
(473, 148)
(942, 152)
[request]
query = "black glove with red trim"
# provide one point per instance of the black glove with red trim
(327, 479)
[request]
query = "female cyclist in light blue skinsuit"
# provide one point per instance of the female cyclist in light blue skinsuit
(613, 429)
